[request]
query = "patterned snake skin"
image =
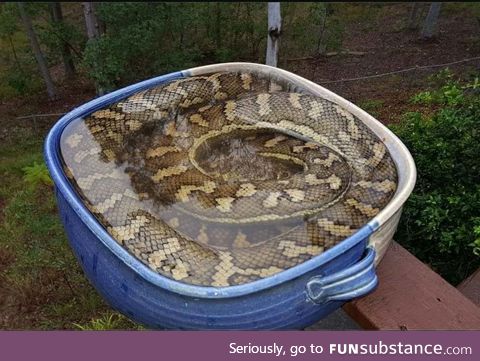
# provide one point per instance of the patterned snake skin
(227, 178)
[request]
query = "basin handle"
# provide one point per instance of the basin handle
(347, 284)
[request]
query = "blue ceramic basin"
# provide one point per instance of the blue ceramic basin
(292, 299)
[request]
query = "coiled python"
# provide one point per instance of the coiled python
(226, 178)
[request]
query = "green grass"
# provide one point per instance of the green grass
(109, 321)
(41, 283)
(371, 106)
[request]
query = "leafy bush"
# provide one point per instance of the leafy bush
(142, 40)
(53, 36)
(36, 174)
(18, 81)
(102, 58)
(447, 90)
(441, 220)
(146, 39)
(18, 69)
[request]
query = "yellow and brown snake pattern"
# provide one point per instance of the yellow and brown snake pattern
(227, 178)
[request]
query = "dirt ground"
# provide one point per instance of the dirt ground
(388, 45)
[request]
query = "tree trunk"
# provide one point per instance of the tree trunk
(250, 30)
(414, 12)
(91, 21)
(42, 64)
(274, 30)
(68, 65)
(12, 47)
(234, 41)
(321, 48)
(94, 30)
(218, 26)
(431, 20)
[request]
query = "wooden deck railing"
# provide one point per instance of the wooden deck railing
(411, 296)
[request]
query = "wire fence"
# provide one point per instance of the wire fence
(416, 67)
(34, 117)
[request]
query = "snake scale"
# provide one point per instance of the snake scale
(226, 178)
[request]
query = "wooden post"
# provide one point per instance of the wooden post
(274, 30)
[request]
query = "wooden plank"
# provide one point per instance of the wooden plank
(470, 287)
(410, 296)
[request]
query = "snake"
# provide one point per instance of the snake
(227, 178)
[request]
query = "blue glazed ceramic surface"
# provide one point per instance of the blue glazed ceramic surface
(292, 299)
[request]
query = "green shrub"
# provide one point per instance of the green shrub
(147, 39)
(18, 81)
(441, 220)
(36, 174)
